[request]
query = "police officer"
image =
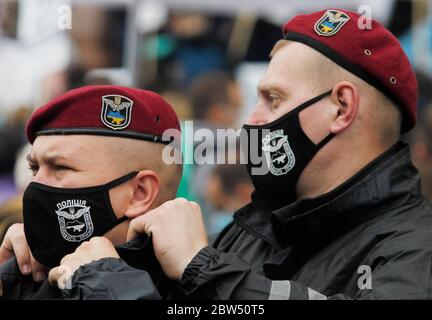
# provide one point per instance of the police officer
(97, 163)
(340, 214)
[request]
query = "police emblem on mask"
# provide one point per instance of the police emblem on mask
(116, 111)
(331, 22)
(74, 220)
(278, 153)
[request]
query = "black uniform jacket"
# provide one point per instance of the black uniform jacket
(371, 238)
(134, 276)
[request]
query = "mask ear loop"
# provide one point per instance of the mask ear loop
(120, 180)
(325, 140)
(111, 185)
(312, 101)
(308, 104)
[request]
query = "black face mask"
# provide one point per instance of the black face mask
(57, 220)
(287, 150)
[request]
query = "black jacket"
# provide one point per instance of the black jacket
(371, 238)
(134, 276)
(368, 239)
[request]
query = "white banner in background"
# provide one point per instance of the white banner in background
(42, 48)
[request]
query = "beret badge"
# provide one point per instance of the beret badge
(116, 111)
(331, 22)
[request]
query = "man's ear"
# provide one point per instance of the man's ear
(346, 96)
(147, 185)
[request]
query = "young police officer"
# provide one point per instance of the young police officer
(339, 213)
(97, 162)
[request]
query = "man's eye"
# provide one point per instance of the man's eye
(61, 168)
(34, 169)
(274, 100)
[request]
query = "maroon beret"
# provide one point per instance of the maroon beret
(106, 110)
(374, 54)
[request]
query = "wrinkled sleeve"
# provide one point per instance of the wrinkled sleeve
(218, 275)
(15, 286)
(9, 278)
(110, 279)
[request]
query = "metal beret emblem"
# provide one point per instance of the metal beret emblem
(331, 22)
(116, 111)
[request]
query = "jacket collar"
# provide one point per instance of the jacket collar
(255, 218)
(389, 181)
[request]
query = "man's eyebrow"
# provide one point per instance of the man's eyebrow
(30, 158)
(267, 88)
(53, 158)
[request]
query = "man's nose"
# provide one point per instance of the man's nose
(258, 116)
(42, 176)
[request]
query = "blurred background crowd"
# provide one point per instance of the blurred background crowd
(205, 57)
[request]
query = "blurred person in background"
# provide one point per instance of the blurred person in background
(182, 106)
(12, 182)
(420, 138)
(215, 102)
(421, 149)
(9, 144)
(11, 210)
(228, 189)
(193, 54)
(11, 140)
(215, 99)
(98, 36)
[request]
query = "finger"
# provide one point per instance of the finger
(66, 258)
(6, 248)
(60, 276)
(1, 289)
(5, 254)
(53, 276)
(195, 206)
(21, 251)
(83, 247)
(140, 225)
(38, 270)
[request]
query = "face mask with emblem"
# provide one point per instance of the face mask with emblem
(58, 220)
(286, 151)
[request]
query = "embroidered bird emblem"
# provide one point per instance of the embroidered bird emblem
(71, 215)
(116, 107)
(336, 17)
(276, 146)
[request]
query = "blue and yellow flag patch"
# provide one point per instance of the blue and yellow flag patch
(331, 22)
(116, 111)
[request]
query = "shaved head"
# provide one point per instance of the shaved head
(140, 154)
(378, 113)
(93, 160)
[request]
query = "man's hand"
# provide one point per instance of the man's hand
(178, 233)
(95, 249)
(15, 244)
